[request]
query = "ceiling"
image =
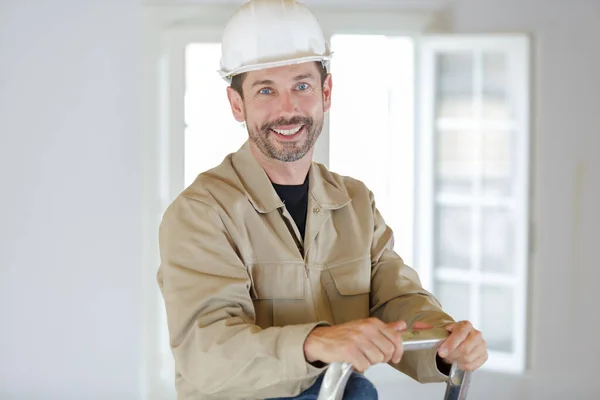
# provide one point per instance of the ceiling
(342, 4)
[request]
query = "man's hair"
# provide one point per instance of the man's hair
(238, 80)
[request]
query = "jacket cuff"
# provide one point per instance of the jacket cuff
(298, 366)
(431, 370)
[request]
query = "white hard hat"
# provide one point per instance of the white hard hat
(271, 33)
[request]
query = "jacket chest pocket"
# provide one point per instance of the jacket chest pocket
(347, 288)
(279, 294)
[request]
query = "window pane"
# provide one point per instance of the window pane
(454, 85)
(497, 305)
(455, 298)
(497, 241)
(371, 125)
(359, 117)
(496, 101)
(455, 161)
(453, 237)
(497, 158)
(474, 207)
(211, 132)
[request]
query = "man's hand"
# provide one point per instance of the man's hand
(362, 343)
(465, 345)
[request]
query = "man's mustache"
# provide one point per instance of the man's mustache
(307, 121)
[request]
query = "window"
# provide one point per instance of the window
(473, 147)
(372, 115)
(211, 132)
(462, 173)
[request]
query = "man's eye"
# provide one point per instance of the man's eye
(302, 86)
(265, 91)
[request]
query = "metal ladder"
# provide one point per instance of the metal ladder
(336, 377)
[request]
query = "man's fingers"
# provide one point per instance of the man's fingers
(459, 334)
(399, 351)
(421, 325)
(473, 365)
(394, 337)
(398, 325)
(385, 340)
(472, 350)
(474, 339)
(372, 353)
(360, 362)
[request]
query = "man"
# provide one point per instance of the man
(272, 267)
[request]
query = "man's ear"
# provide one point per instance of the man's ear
(327, 86)
(237, 104)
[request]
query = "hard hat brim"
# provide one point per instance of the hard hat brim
(228, 75)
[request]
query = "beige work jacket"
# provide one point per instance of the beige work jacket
(243, 290)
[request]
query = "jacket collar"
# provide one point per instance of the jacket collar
(263, 197)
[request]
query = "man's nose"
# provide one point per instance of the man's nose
(288, 104)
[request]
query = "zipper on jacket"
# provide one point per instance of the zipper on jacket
(291, 225)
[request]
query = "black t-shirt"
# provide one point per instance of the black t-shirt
(295, 198)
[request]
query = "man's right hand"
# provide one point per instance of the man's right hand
(361, 343)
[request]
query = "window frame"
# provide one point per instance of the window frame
(515, 45)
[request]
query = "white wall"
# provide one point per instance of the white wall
(70, 218)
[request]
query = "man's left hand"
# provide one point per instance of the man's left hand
(465, 345)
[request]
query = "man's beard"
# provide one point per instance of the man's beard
(288, 151)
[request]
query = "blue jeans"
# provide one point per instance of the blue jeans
(357, 388)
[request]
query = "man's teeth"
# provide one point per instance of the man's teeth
(288, 132)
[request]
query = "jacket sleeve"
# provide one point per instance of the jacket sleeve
(397, 294)
(217, 347)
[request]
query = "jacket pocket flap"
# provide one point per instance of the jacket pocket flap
(353, 277)
(277, 281)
